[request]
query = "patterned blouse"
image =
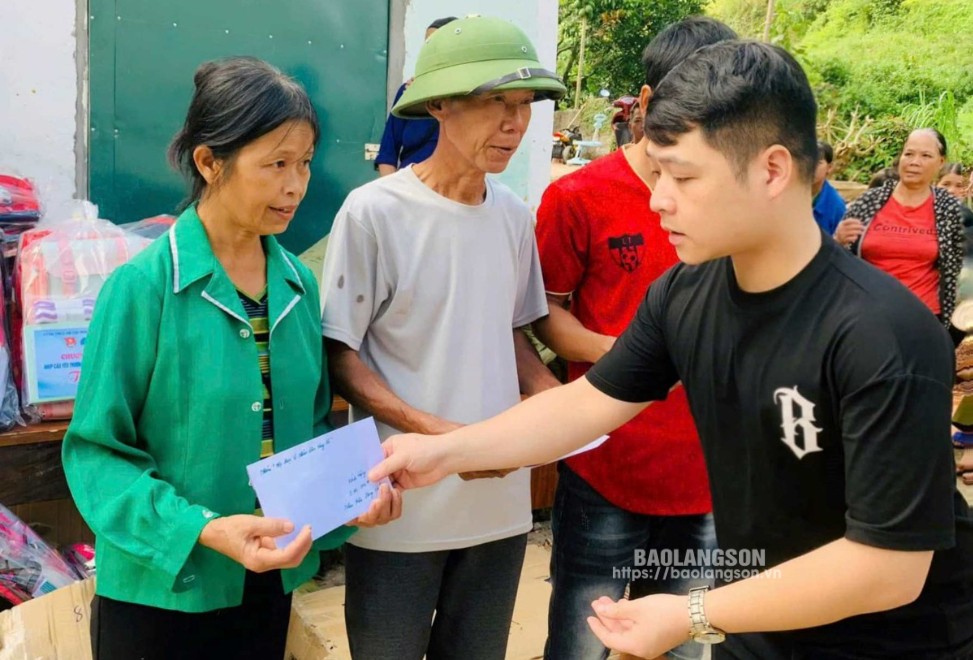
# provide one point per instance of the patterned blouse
(949, 233)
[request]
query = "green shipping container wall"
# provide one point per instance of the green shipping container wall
(143, 55)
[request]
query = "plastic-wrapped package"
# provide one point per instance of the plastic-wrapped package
(151, 228)
(9, 399)
(20, 209)
(18, 201)
(11, 594)
(27, 562)
(81, 558)
(61, 267)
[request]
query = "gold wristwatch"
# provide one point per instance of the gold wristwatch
(700, 629)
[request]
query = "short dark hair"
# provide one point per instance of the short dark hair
(825, 152)
(677, 42)
(439, 22)
(881, 177)
(744, 96)
(236, 101)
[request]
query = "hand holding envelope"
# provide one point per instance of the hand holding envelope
(323, 482)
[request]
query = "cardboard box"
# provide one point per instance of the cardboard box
(313, 616)
(52, 627)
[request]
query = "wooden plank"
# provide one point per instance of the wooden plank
(34, 433)
(54, 431)
(543, 482)
(32, 473)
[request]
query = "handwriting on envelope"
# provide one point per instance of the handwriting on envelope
(322, 482)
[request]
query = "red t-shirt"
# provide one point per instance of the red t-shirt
(902, 241)
(599, 240)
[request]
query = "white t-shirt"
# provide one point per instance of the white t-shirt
(428, 291)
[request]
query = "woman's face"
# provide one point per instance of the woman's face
(955, 184)
(921, 160)
(266, 181)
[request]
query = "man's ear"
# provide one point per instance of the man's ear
(436, 107)
(644, 95)
(777, 168)
(207, 164)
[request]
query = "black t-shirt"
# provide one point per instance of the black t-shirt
(823, 407)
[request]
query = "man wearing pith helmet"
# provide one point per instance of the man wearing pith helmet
(428, 276)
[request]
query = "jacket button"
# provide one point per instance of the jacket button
(257, 406)
(208, 514)
(245, 334)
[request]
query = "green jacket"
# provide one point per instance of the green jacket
(169, 413)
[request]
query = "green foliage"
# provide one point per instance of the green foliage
(879, 68)
(617, 32)
(862, 145)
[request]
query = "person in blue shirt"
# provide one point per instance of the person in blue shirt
(829, 207)
(408, 141)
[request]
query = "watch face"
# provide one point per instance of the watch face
(709, 637)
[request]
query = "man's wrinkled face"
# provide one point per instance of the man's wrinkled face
(485, 129)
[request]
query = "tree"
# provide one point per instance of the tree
(617, 33)
(878, 67)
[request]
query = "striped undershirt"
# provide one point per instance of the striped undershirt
(257, 313)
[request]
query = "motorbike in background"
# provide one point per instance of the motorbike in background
(565, 145)
(621, 121)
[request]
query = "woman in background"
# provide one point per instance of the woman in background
(911, 229)
(952, 179)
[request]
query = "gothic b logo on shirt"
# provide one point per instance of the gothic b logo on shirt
(797, 421)
(626, 251)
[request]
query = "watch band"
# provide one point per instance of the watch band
(700, 629)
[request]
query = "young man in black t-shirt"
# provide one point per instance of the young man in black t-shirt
(820, 386)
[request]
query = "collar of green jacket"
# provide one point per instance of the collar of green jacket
(193, 260)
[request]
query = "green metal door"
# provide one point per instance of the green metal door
(143, 55)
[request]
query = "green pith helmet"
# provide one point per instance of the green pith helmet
(474, 55)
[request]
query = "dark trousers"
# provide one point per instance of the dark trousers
(442, 605)
(257, 628)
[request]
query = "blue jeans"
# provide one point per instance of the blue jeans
(593, 556)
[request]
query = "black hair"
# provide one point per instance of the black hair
(940, 138)
(744, 96)
(825, 152)
(887, 174)
(677, 42)
(236, 101)
(952, 168)
(439, 22)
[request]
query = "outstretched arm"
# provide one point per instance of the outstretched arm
(556, 422)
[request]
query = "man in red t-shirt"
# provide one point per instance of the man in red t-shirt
(601, 246)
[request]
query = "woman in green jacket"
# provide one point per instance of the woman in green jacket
(205, 354)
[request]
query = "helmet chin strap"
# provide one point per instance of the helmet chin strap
(524, 73)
